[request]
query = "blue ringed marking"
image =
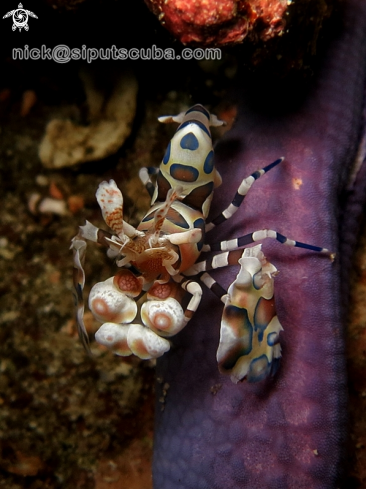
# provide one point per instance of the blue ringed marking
(184, 173)
(208, 165)
(198, 123)
(189, 141)
(167, 154)
(199, 108)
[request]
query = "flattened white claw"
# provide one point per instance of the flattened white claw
(145, 344)
(110, 305)
(114, 337)
(166, 318)
(110, 200)
(249, 337)
(89, 231)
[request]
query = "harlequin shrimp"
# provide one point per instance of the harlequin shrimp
(156, 290)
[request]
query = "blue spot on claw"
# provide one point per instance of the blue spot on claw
(189, 141)
(167, 154)
(209, 164)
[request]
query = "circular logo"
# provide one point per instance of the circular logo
(20, 17)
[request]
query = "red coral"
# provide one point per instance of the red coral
(220, 22)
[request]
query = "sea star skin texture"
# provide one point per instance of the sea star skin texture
(286, 432)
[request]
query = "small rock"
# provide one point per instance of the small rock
(67, 143)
